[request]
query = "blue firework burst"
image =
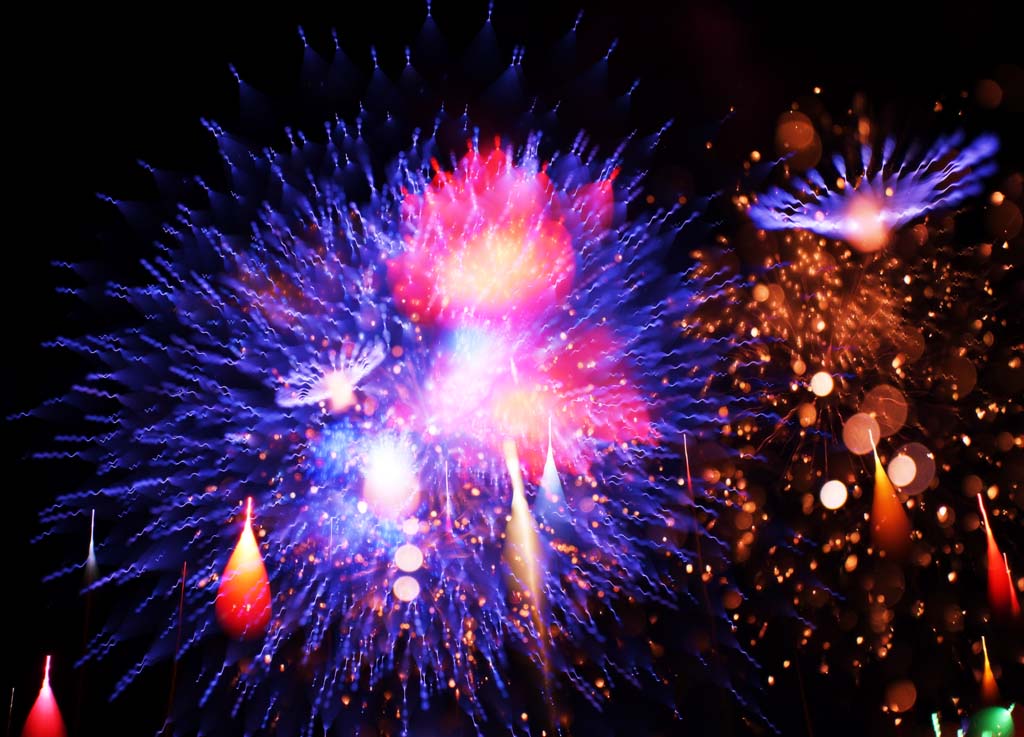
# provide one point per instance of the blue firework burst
(881, 192)
(442, 404)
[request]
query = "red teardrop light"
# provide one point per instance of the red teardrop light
(45, 720)
(1001, 594)
(243, 598)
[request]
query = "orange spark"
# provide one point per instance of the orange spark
(890, 528)
(867, 232)
(989, 688)
(243, 599)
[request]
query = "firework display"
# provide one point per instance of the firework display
(441, 413)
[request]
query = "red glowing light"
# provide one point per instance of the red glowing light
(989, 687)
(45, 720)
(1001, 594)
(493, 239)
(243, 599)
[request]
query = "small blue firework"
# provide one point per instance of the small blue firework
(882, 193)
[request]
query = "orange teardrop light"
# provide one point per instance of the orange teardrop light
(243, 598)
(989, 687)
(44, 720)
(1001, 595)
(890, 528)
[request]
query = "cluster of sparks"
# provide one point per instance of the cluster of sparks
(842, 320)
(377, 445)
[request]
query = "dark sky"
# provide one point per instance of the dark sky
(90, 92)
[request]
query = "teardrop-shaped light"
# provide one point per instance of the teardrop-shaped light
(522, 543)
(890, 528)
(989, 687)
(243, 597)
(552, 495)
(1001, 594)
(91, 569)
(45, 720)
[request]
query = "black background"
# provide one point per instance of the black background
(89, 93)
